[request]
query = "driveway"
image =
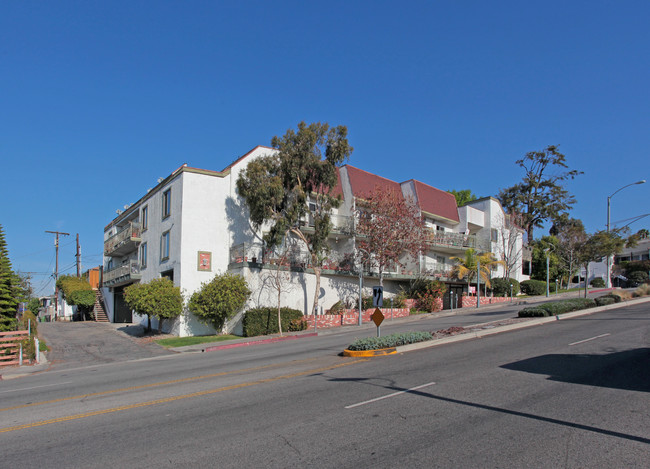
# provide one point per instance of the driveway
(74, 344)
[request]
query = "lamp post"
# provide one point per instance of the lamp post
(547, 262)
(608, 284)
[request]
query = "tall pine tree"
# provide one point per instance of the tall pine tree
(8, 300)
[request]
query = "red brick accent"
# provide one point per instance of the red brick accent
(351, 317)
(469, 301)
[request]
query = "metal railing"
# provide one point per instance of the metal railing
(127, 233)
(129, 269)
(460, 240)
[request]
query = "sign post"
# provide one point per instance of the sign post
(377, 317)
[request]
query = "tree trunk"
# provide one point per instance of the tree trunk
(317, 271)
(160, 321)
(279, 315)
(148, 323)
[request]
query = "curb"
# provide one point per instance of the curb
(257, 342)
(511, 327)
(369, 353)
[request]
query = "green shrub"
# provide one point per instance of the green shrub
(29, 318)
(604, 301)
(337, 308)
(557, 307)
(388, 341)
(533, 312)
(159, 298)
(501, 286)
(219, 299)
(617, 298)
(638, 277)
(533, 287)
(264, 321)
(597, 283)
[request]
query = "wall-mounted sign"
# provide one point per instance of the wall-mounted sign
(205, 261)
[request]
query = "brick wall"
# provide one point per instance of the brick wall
(351, 317)
(469, 301)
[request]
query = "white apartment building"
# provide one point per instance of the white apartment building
(193, 225)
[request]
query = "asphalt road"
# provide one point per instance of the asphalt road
(572, 393)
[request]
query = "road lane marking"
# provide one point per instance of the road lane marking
(152, 385)
(35, 387)
(68, 418)
(591, 338)
(388, 395)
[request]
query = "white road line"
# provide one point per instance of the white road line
(387, 396)
(35, 387)
(592, 338)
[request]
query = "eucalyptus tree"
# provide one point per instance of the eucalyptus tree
(279, 187)
(540, 195)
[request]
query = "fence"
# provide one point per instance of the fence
(10, 347)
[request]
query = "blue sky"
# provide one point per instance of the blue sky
(99, 99)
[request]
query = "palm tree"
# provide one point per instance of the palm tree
(466, 266)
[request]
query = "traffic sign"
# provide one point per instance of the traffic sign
(378, 296)
(377, 317)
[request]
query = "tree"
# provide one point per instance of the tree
(389, 227)
(158, 298)
(77, 292)
(463, 197)
(278, 188)
(511, 243)
(540, 195)
(219, 299)
(571, 235)
(548, 245)
(280, 279)
(467, 266)
(596, 246)
(8, 301)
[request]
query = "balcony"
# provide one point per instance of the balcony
(124, 241)
(341, 224)
(450, 242)
(123, 274)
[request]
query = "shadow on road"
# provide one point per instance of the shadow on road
(621, 370)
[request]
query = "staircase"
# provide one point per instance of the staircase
(100, 314)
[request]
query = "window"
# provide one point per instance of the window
(145, 217)
(167, 203)
(440, 228)
(164, 246)
(143, 255)
(495, 235)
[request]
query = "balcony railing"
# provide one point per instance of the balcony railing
(453, 240)
(340, 223)
(123, 274)
(124, 241)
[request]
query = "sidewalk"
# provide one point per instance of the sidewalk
(135, 330)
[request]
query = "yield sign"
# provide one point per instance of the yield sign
(377, 317)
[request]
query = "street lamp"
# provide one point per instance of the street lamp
(609, 261)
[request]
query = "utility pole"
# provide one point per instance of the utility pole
(56, 272)
(78, 256)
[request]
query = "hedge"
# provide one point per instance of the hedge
(533, 287)
(533, 312)
(264, 321)
(605, 300)
(558, 307)
(388, 341)
(501, 286)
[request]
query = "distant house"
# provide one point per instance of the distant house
(193, 224)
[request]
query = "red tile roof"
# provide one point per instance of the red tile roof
(364, 183)
(436, 201)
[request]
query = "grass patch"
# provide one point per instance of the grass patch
(42, 346)
(205, 339)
